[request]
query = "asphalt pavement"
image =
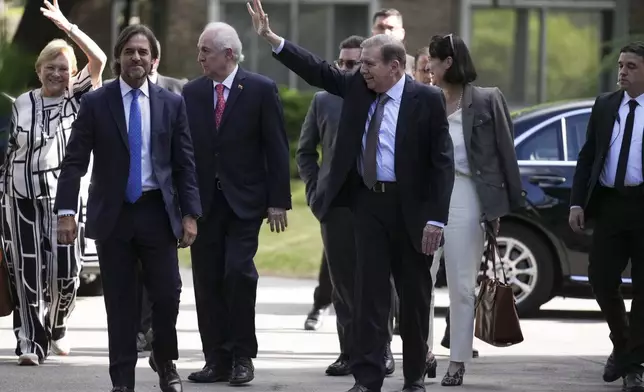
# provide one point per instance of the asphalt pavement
(564, 350)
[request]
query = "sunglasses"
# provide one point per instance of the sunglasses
(349, 64)
(451, 42)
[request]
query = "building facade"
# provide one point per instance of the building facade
(514, 42)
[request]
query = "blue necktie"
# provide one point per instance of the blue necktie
(134, 185)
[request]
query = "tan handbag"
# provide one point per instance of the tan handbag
(497, 321)
(6, 300)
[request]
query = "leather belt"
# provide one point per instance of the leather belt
(629, 191)
(384, 186)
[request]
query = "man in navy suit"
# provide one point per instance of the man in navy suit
(242, 159)
(143, 202)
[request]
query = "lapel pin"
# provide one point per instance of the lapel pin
(239, 86)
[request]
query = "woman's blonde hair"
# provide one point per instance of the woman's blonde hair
(54, 49)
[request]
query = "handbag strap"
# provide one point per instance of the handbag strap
(491, 252)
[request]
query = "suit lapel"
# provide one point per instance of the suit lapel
(156, 114)
(607, 122)
(115, 103)
(468, 116)
(235, 90)
(407, 107)
(208, 102)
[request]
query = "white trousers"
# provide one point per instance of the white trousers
(463, 250)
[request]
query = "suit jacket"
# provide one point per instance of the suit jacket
(320, 125)
(249, 153)
(489, 142)
(592, 155)
(101, 128)
(424, 159)
(166, 82)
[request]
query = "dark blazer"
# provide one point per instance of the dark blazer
(489, 141)
(249, 153)
(320, 127)
(101, 128)
(424, 158)
(167, 82)
(592, 155)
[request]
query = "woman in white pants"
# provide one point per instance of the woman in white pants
(487, 184)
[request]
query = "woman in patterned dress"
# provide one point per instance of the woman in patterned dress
(45, 275)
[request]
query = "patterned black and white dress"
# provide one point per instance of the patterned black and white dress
(45, 275)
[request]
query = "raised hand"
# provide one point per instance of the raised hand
(53, 13)
(260, 18)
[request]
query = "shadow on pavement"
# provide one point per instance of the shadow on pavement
(304, 372)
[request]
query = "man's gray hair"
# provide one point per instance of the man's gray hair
(390, 48)
(224, 36)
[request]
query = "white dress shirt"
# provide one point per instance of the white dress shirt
(147, 172)
(148, 179)
(228, 84)
(634, 166)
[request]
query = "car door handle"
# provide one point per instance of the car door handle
(550, 180)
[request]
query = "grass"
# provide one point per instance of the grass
(295, 253)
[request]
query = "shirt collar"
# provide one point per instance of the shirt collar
(125, 88)
(228, 82)
(154, 78)
(627, 98)
(396, 91)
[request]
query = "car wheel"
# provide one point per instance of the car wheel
(527, 262)
(90, 286)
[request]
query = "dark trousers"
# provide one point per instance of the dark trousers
(340, 250)
(384, 248)
(617, 237)
(143, 233)
(225, 281)
(145, 304)
(322, 295)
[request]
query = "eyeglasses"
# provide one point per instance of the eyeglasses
(349, 64)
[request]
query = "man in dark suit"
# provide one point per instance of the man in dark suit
(608, 188)
(143, 202)
(144, 337)
(320, 128)
(393, 166)
(242, 158)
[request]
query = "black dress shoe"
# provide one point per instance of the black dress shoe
(390, 363)
(122, 389)
(169, 380)
(359, 388)
(211, 373)
(243, 371)
(414, 386)
(633, 382)
(340, 367)
(314, 319)
(611, 370)
(430, 367)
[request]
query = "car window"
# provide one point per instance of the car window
(576, 134)
(544, 145)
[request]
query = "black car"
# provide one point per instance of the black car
(542, 256)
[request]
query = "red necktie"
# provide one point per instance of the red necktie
(221, 104)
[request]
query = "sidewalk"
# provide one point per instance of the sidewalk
(565, 354)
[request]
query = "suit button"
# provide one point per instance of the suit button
(478, 172)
